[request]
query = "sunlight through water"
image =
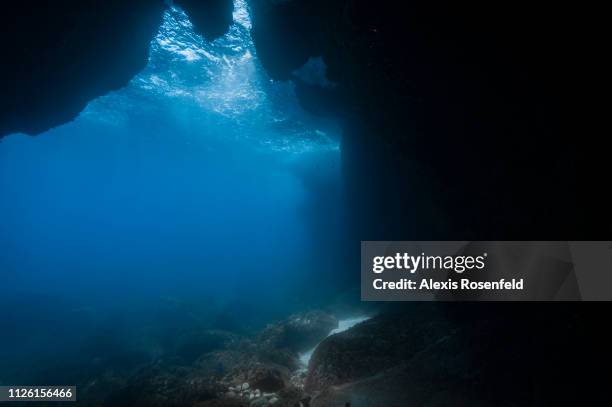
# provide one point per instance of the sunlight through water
(219, 83)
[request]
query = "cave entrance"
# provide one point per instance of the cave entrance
(202, 178)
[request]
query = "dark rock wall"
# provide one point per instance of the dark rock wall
(211, 18)
(461, 355)
(59, 55)
(461, 121)
(460, 118)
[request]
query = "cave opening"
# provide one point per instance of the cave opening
(199, 194)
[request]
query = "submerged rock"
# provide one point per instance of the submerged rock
(432, 354)
(211, 18)
(218, 368)
(192, 345)
(269, 379)
(222, 362)
(299, 332)
(284, 358)
(160, 385)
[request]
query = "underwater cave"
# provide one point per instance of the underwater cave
(185, 186)
(202, 174)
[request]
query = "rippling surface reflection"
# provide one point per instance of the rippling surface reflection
(218, 83)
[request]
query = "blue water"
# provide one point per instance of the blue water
(201, 193)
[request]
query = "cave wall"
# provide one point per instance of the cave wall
(62, 54)
(211, 18)
(59, 55)
(461, 120)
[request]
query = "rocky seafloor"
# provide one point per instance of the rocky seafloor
(416, 354)
(421, 354)
(213, 367)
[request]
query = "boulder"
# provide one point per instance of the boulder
(450, 354)
(299, 332)
(268, 379)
